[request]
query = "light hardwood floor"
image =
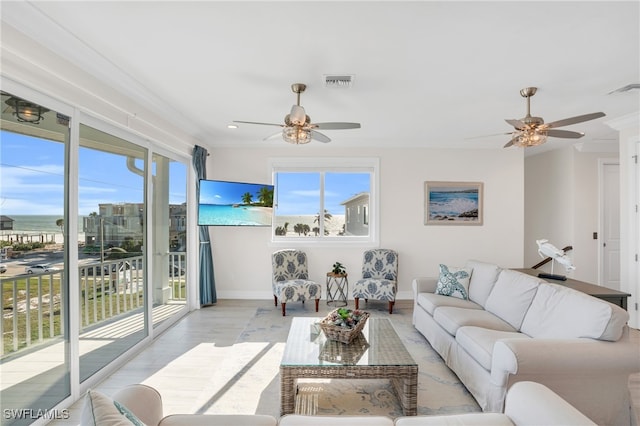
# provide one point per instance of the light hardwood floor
(184, 362)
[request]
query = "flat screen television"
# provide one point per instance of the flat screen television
(225, 203)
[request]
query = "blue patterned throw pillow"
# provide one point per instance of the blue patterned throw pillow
(454, 282)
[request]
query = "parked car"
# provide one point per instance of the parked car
(3, 268)
(38, 269)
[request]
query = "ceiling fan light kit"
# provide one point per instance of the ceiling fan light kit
(298, 128)
(532, 131)
(296, 135)
(529, 137)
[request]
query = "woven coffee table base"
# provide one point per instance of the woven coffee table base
(403, 378)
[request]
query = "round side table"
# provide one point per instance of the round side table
(337, 289)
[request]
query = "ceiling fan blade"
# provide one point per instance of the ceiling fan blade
(564, 134)
(574, 120)
(510, 143)
(336, 126)
(487, 136)
(319, 137)
(275, 135)
(516, 123)
(255, 122)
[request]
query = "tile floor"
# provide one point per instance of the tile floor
(193, 362)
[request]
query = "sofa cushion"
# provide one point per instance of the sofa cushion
(479, 341)
(483, 278)
(99, 409)
(452, 318)
(430, 301)
(218, 420)
(454, 281)
(466, 419)
(560, 312)
(512, 295)
(364, 420)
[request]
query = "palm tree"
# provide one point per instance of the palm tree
(60, 223)
(327, 218)
(247, 198)
(265, 196)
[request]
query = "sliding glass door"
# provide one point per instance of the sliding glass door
(169, 224)
(111, 257)
(93, 252)
(34, 240)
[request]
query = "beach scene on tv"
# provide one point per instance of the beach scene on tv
(235, 204)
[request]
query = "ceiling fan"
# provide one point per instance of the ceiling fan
(533, 131)
(298, 128)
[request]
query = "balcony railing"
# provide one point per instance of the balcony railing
(32, 310)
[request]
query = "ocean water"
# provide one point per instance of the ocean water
(213, 214)
(448, 203)
(38, 223)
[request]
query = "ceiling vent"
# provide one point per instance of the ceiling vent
(342, 81)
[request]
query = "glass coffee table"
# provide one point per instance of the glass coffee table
(377, 353)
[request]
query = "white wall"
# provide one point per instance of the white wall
(629, 128)
(562, 205)
(548, 203)
(242, 254)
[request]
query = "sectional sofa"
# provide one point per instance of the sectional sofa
(495, 327)
(527, 404)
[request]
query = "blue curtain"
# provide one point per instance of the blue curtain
(207, 280)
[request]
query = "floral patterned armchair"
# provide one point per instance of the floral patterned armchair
(291, 279)
(379, 277)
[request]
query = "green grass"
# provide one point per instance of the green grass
(92, 311)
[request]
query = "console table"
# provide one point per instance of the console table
(613, 296)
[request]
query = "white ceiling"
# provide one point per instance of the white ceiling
(427, 73)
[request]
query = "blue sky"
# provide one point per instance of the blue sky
(32, 178)
(32, 182)
(299, 193)
(220, 192)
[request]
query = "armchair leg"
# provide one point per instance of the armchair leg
(357, 304)
(391, 303)
(317, 303)
(275, 300)
(283, 308)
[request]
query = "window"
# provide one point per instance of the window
(325, 199)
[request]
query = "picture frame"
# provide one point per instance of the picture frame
(453, 203)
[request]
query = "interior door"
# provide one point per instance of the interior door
(610, 226)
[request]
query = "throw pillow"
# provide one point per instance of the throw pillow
(454, 281)
(99, 409)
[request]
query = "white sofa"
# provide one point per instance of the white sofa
(515, 327)
(527, 404)
(145, 404)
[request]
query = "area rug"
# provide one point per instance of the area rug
(439, 389)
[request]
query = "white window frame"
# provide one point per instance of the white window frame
(330, 164)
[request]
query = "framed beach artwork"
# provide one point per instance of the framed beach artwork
(453, 203)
